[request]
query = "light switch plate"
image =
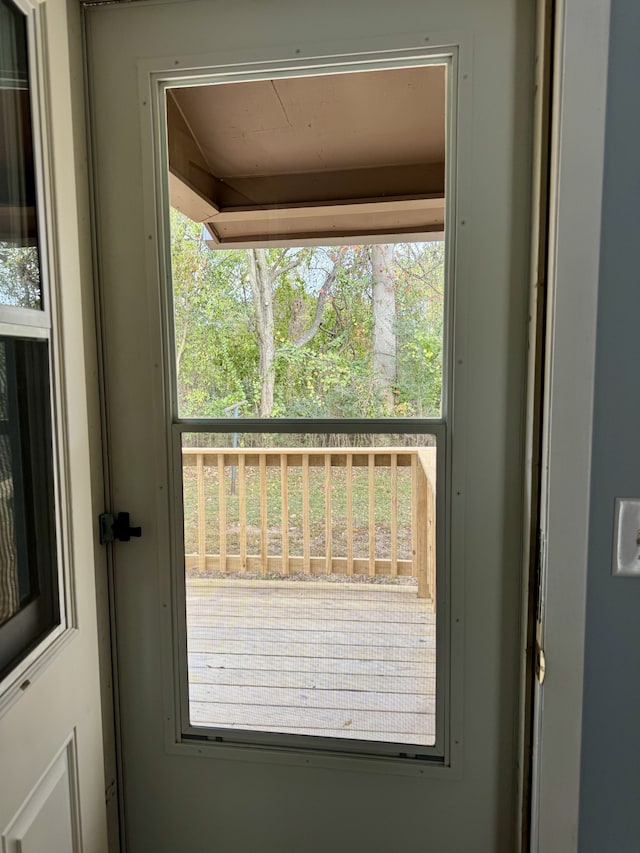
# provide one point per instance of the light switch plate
(626, 538)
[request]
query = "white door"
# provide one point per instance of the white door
(52, 793)
(191, 787)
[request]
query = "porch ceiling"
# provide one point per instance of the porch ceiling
(311, 158)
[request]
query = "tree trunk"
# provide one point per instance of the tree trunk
(262, 292)
(384, 318)
(300, 338)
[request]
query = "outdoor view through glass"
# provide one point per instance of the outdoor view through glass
(310, 554)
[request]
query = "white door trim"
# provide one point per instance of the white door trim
(578, 135)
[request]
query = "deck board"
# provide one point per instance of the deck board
(422, 685)
(352, 661)
(271, 633)
(283, 663)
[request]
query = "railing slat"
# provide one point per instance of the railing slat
(431, 577)
(222, 514)
(349, 496)
(264, 530)
(421, 568)
(242, 512)
(414, 513)
(202, 521)
(394, 514)
(328, 523)
(284, 496)
(306, 516)
(372, 515)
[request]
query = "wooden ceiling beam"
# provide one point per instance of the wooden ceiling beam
(330, 223)
(405, 181)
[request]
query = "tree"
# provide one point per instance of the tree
(215, 346)
(323, 331)
(265, 271)
(419, 326)
(261, 279)
(384, 321)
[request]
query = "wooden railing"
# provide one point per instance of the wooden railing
(216, 478)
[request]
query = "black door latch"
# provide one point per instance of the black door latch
(117, 527)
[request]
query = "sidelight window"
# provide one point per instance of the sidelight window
(29, 589)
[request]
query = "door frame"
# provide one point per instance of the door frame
(154, 82)
(578, 118)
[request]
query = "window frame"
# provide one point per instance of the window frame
(179, 735)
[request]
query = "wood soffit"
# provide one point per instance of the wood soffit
(316, 158)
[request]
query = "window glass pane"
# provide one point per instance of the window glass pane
(310, 570)
(29, 605)
(307, 242)
(320, 331)
(16, 585)
(20, 280)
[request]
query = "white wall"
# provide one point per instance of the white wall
(610, 771)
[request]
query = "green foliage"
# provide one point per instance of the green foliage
(331, 375)
(19, 275)
(419, 329)
(216, 353)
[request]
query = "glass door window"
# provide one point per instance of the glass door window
(309, 381)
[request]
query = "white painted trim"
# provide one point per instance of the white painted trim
(579, 101)
(36, 662)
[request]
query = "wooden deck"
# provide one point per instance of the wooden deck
(346, 660)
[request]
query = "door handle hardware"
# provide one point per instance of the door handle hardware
(117, 527)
